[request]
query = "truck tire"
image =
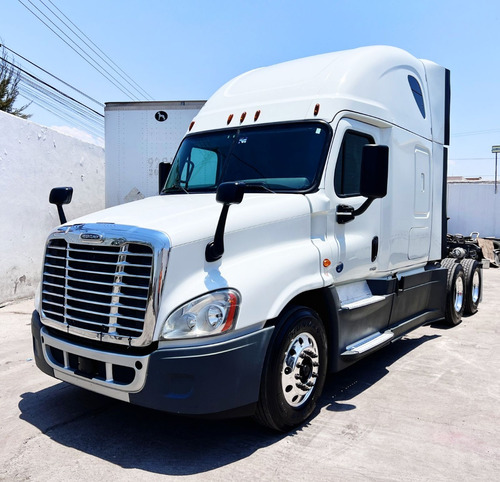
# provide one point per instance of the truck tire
(455, 287)
(294, 370)
(473, 285)
(448, 262)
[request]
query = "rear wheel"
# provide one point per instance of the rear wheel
(448, 262)
(473, 285)
(294, 371)
(455, 289)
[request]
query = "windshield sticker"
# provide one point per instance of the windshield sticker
(242, 140)
(318, 130)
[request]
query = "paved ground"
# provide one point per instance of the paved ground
(426, 408)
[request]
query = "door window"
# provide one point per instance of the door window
(348, 168)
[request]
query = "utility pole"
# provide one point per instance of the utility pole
(495, 150)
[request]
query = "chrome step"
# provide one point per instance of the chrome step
(363, 302)
(368, 344)
(357, 295)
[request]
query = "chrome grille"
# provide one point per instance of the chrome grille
(99, 289)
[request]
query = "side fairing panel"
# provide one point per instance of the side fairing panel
(439, 93)
(438, 221)
(408, 208)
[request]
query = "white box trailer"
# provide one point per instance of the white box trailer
(139, 136)
(330, 244)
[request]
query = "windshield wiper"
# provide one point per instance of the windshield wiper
(260, 185)
(175, 188)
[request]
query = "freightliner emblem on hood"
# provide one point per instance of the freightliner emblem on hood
(91, 237)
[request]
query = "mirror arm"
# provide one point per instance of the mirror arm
(215, 249)
(62, 216)
(363, 207)
(227, 193)
(346, 213)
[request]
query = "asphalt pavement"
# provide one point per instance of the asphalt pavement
(423, 409)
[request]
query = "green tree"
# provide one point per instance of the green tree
(9, 82)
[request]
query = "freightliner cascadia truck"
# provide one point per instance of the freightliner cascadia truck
(300, 227)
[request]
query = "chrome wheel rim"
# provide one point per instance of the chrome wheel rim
(476, 286)
(300, 369)
(459, 294)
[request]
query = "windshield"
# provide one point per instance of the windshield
(278, 158)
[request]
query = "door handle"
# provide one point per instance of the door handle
(374, 248)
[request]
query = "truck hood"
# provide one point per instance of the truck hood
(186, 218)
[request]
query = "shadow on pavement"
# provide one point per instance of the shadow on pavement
(346, 385)
(134, 437)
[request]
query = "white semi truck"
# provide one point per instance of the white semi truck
(302, 226)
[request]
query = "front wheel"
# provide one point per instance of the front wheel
(294, 371)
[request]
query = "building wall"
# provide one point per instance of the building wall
(33, 159)
(474, 207)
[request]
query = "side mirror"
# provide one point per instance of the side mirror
(230, 192)
(163, 172)
(374, 171)
(227, 193)
(60, 196)
(373, 182)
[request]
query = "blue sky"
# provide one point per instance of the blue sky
(184, 50)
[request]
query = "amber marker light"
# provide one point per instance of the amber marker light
(229, 119)
(316, 109)
(256, 116)
(242, 118)
(233, 305)
(191, 125)
(326, 262)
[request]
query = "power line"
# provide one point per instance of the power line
(41, 102)
(98, 68)
(139, 88)
(57, 102)
(50, 86)
(63, 107)
(100, 104)
(51, 97)
(87, 44)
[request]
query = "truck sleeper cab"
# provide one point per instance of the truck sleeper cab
(301, 227)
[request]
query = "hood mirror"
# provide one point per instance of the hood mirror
(227, 193)
(60, 196)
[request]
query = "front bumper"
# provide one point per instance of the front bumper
(199, 380)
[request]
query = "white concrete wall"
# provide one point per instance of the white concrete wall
(34, 159)
(474, 207)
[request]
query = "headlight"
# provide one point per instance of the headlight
(207, 315)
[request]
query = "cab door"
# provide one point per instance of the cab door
(357, 242)
(363, 289)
